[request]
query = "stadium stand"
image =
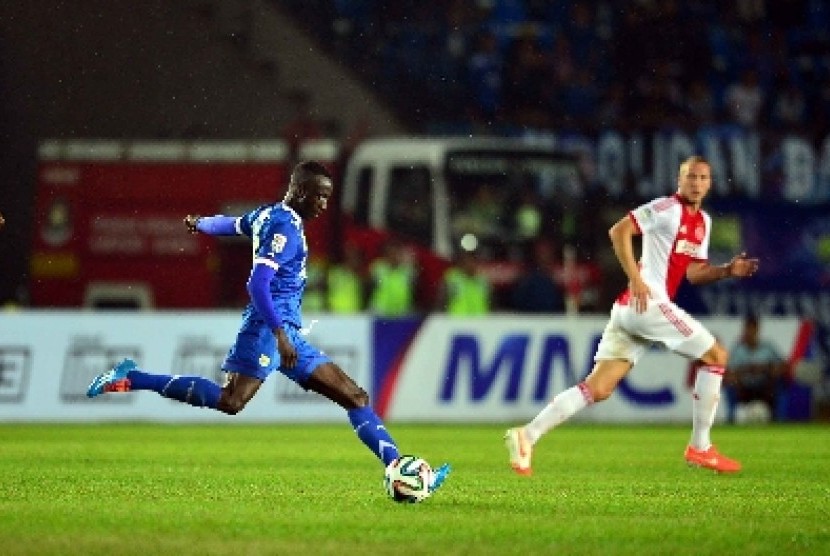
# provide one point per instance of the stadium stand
(565, 63)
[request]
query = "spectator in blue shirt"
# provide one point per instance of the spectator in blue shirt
(755, 371)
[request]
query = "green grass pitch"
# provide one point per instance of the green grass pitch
(314, 489)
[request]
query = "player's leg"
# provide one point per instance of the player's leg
(248, 363)
(707, 389)
(329, 380)
(701, 451)
(683, 334)
(316, 372)
(194, 390)
(616, 354)
(126, 376)
(596, 387)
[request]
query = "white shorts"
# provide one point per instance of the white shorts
(629, 334)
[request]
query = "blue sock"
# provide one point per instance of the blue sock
(194, 390)
(372, 432)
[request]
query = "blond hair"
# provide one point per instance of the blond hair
(684, 166)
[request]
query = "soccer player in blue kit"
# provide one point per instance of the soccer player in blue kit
(269, 337)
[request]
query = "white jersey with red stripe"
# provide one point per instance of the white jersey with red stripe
(673, 237)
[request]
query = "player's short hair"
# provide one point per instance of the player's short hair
(684, 166)
(307, 171)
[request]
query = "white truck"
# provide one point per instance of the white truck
(442, 195)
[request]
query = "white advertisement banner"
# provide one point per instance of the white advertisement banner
(47, 360)
(507, 369)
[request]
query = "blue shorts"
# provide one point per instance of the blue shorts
(255, 353)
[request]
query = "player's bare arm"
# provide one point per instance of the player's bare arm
(622, 234)
(740, 266)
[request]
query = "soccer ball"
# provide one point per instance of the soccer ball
(407, 479)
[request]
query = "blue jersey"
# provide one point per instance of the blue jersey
(277, 237)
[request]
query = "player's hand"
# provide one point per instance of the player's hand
(288, 355)
(190, 222)
(2, 221)
(742, 266)
(639, 295)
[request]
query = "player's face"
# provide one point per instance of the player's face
(694, 182)
(317, 195)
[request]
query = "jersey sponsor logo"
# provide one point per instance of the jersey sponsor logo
(686, 247)
(278, 243)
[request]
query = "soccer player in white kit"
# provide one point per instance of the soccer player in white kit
(675, 244)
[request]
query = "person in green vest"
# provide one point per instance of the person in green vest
(392, 277)
(465, 290)
(346, 282)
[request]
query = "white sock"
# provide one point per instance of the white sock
(704, 404)
(562, 406)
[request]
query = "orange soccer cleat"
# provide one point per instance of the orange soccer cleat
(711, 459)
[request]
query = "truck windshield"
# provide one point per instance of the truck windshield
(500, 200)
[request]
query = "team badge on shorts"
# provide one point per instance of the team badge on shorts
(264, 360)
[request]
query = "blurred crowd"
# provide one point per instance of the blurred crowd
(495, 64)
(390, 284)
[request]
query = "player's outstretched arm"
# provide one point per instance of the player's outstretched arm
(211, 225)
(740, 266)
